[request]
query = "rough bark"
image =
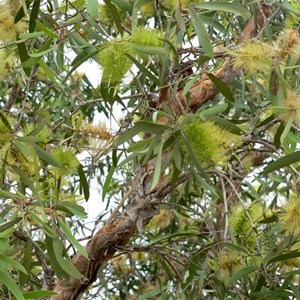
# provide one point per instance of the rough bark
(144, 205)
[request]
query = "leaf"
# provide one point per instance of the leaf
(66, 230)
(34, 15)
(48, 71)
(149, 50)
(150, 295)
(46, 156)
(223, 6)
(157, 170)
(7, 195)
(221, 86)
(11, 285)
(139, 145)
(23, 54)
(212, 111)
(46, 30)
(115, 14)
(234, 247)
(179, 19)
(79, 60)
(38, 294)
(83, 182)
(203, 37)
(92, 10)
(143, 69)
(149, 127)
(107, 181)
(241, 274)
(72, 208)
(15, 264)
(26, 262)
(5, 121)
(228, 125)
(8, 224)
(284, 256)
(64, 263)
(282, 162)
(53, 261)
(277, 139)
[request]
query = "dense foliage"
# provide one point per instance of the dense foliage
(204, 98)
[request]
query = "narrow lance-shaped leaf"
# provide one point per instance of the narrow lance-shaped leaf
(283, 162)
(204, 39)
(11, 285)
(15, 264)
(66, 230)
(221, 87)
(223, 6)
(157, 167)
(241, 274)
(83, 182)
(46, 156)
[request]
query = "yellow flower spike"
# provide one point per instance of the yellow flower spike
(114, 61)
(289, 43)
(253, 57)
(147, 37)
(289, 219)
(291, 108)
(226, 263)
(8, 28)
(67, 159)
(209, 142)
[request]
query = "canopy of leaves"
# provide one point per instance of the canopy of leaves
(196, 112)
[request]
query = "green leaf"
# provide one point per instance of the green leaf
(92, 10)
(46, 30)
(48, 71)
(72, 208)
(150, 295)
(234, 247)
(26, 262)
(107, 181)
(139, 145)
(157, 170)
(38, 294)
(150, 127)
(66, 230)
(179, 19)
(83, 182)
(34, 15)
(284, 256)
(59, 271)
(241, 274)
(115, 14)
(228, 125)
(203, 37)
(46, 156)
(212, 111)
(277, 139)
(223, 6)
(79, 60)
(221, 86)
(64, 263)
(149, 50)
(11, 285)
(7, 195)
(282, 162)
(5, 121)
(144, 70)
(8, 224)
(15, 264)
(23, 54)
